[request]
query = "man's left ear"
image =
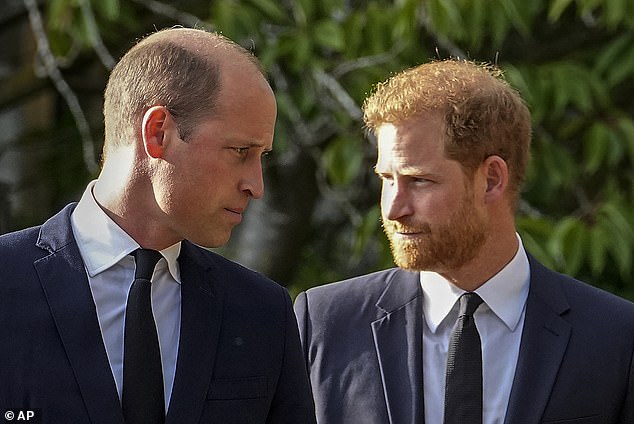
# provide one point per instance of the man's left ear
(158, 127)
(496, 172)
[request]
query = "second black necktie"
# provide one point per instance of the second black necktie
(142, 400)
(463, 386)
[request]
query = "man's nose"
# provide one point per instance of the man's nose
(396, 202)
(253, 182)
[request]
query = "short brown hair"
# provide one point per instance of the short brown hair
(162, 70)
(483, 114)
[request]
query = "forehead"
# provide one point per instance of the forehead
(412, 142)
(246, 110)
(242, 83)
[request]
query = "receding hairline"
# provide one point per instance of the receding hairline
(210, 45)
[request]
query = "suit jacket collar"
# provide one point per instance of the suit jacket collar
(401, 288)
(544, 340)
(56, 233)
(65, 285)
(398, 339)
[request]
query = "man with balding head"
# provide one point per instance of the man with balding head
(112, 311)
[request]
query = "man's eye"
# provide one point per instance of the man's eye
(421, 180)
(241, 150)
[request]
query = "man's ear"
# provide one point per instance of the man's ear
(157, 126)
(496, 172)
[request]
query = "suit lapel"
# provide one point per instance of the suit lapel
(398, 341)
(63, 279)
(544, 341)
(201, 317)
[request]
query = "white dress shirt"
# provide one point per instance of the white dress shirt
(500, 320)
(105, 250)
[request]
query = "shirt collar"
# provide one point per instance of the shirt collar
(102, 243)
(505, 293)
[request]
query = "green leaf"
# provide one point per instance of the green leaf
(303, 11)
(566, 80)
(499, 28)
(342, 160)
(406, 19)
(615, 11)
(616, 148)
(297, 48)
(618, 220)
(589, 6)
(598, 244)
(621, 232)
(515, 77)
(622, 253)
(560, 166)
(534, 233)
(369, 227)
(622, 68)
(270, 10)
(556, 8)
(626, 126)
(109, 9)
(330, 35)
(445, 18)
(81, 32)
(474, 18)
(600, 92)
(225, 18)
(514, 15)
(574, 244)
(60, 14)
(612, 53)
(595, 146)
(567, 243)
(353, 28)
(379, 23)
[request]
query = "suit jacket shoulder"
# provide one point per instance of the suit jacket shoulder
(576, 357)
(229, 275)
(359, 296)
(362, 342)
(581, 303)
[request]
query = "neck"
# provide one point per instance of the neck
(497, 251)
(124, 193)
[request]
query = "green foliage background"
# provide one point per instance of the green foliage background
(573, 62)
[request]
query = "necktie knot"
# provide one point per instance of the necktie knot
(469, 303)
(146, 260)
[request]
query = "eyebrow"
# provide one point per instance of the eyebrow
(250, 144)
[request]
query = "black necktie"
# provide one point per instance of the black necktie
(143, 401)
(463, 390)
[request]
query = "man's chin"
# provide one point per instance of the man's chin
(213, 241)
(413, 264)
(408, 256)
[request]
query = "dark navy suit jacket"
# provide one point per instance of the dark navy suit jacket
(239, 358)
(362, 342)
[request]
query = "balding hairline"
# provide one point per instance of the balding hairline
(210, 45)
